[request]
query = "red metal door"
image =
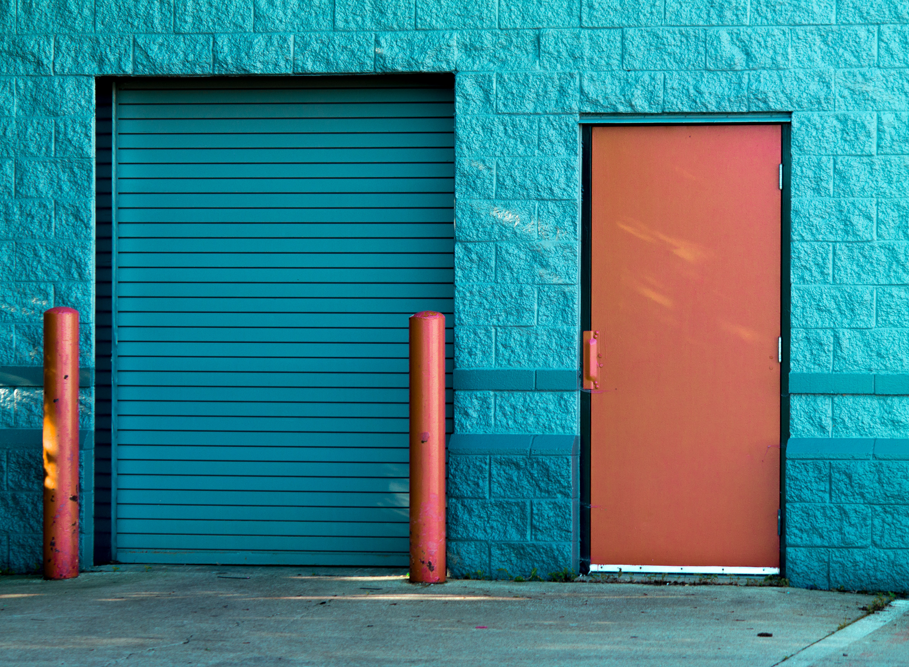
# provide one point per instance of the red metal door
(686, 298)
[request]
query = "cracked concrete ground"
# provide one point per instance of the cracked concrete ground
(171, 615)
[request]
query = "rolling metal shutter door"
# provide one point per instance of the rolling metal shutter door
(272, 240)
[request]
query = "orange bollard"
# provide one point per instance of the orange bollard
(61, 443)
(427, 448)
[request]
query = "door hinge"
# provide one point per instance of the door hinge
(781, 176)
(779, 522)
(779, 349)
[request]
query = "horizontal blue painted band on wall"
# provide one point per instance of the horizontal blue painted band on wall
(33, 376)
(33, 438)
(848, 383)
(847, 448)
(475, 444)
(515, 379)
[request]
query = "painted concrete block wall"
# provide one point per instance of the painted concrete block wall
(526, 72)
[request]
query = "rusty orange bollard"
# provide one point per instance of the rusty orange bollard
(61, 443)
(427, 448)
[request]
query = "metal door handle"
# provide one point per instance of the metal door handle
(592, 357)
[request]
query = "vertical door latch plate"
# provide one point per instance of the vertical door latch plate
(593, 360)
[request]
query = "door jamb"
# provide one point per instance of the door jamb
(586, 125)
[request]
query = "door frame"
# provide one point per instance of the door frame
(587, 123)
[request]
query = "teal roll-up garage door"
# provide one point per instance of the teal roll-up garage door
(272, 238)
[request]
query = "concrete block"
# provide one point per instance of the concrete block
(55, 96)
(75, 295)
(871, 416)
(374, 15)
(474, 347)
(612, 13)
(894, 46)
(821, 46)
(475, 262)
(540, 263)
(7, 181)
(892, 307)
(559, 136)
(791, 90)
(537, 178)
(872, 11)
(812, 176)
(474, 93)
(877, 350)
(833, 219)
(551, 520)
(316, 52)
(7, 27)
(498, 520)
(490, 220)
(25, 552)
(663, 49)
(34, 137)
(173, 54)
(869, 569)
(557, 305)
(807, 481)
(792, 12)
(25, 473)
(706, 91)
(440, 15)
(59, 178)
(852, 482)
(827, 307)
(52, 261)
(891, 527)
(891, 449)
(8, 399)
(94, 55)
(484, 304)
(468, 559)
(747, 48)
(25, 302)
(822, 525)
(30, 400)
(484, 136)
(74, 220)
(74, 137)
(892, 482)
(558, 220)
(537, 92)
(475, 178)
(7, 97)
(27, 219)
(253, 54)
(831, 383)
(493, 379)
(808, 568)
(853, 449)
(581, 50)
(893, 133)
(865, 89)
(8, 137)
(132, 16)
(539, 13)
(706, 12)
(473, 411)
(468, 477)
(864, 177)
(834, 134)
(810, 416)
(21, 512)
(535, 347)
(536, 412)
(213, 16)
(55, 16)
(292, 15)
(622, 92)
(812, 263)
(489, 445)
(521, 559)
(26, 55)
(811, 350)
(883, 263)
(422, 51)
(497, 50)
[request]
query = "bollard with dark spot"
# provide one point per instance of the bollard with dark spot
(61, 443)
(427, 448)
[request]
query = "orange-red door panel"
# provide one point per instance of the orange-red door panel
(685, 295)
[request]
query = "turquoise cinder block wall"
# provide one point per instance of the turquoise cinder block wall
(525, 73)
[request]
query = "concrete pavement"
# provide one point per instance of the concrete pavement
(170, 615)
